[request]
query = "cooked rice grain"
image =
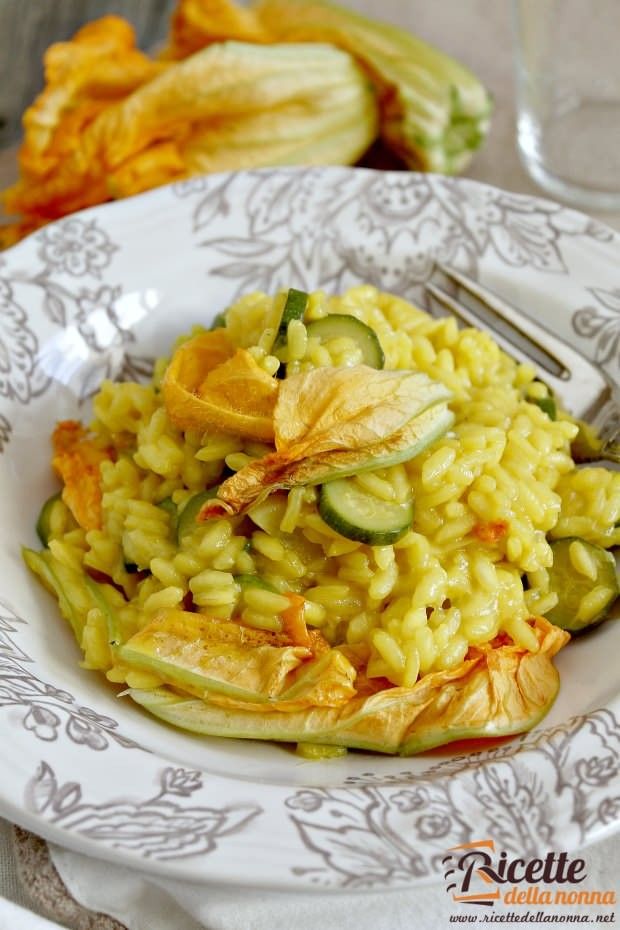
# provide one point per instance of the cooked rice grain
(411, 608)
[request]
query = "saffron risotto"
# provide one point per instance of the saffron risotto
(472, 572)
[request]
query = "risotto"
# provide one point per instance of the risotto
(330, 520)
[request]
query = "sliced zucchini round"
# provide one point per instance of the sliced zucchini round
(356, 514)
(219, 322)
(171, 508)
(44, 520)
(587, 445)
(186, 521)
(585, 579)
(294, 309)
(315, 752)
(546, 404)
(246, 581)
(344, 326)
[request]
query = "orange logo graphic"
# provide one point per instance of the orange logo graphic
(461, 870)
(477, 873)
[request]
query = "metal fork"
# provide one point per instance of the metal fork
(582, 388)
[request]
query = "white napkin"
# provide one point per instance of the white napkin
(14, 917)
(144, 902)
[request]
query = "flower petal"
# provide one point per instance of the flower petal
(338, 421)
(209, 385)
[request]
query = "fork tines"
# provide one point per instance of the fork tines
(476, 305)
(580, 385)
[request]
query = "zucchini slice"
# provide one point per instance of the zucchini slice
(344, 326)
(186, 520)
(547, 405)
(294, 309)
(219, 322)
(44, 520)
(585, 579)
(65, 583)
(97, 593)
(586, 446)
(254, 581)
(356, 514)
(319, 751)
(171, 508)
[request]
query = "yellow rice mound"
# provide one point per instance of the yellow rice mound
(474, 565)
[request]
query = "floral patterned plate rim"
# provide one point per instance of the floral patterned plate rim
(100, 294)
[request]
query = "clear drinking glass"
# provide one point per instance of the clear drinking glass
(568, 98)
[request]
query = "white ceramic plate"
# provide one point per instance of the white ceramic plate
(99, 295)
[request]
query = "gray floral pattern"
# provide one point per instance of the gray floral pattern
(5, 432)
(600, 323)
(44, 710)
(94, 297)
(539, 794)
(314, 227)
(76, 247)
(161, 827)
(18, 347)
(299, 228)
(71, 249)
(97, 318)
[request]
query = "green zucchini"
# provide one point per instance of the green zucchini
(44, 521)
(171, 508)
(585, 578)
(547, 405)
(97, 593)
(66, 584)
(586, 446)
(186, 521)
(294, 309)
(167, 504)
(356, 514)
(219, 322)
(316, 752)
(74, 590)
(374, 723)
(344, 326)
(254, 581)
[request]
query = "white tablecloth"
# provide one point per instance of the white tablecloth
(478, 33)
